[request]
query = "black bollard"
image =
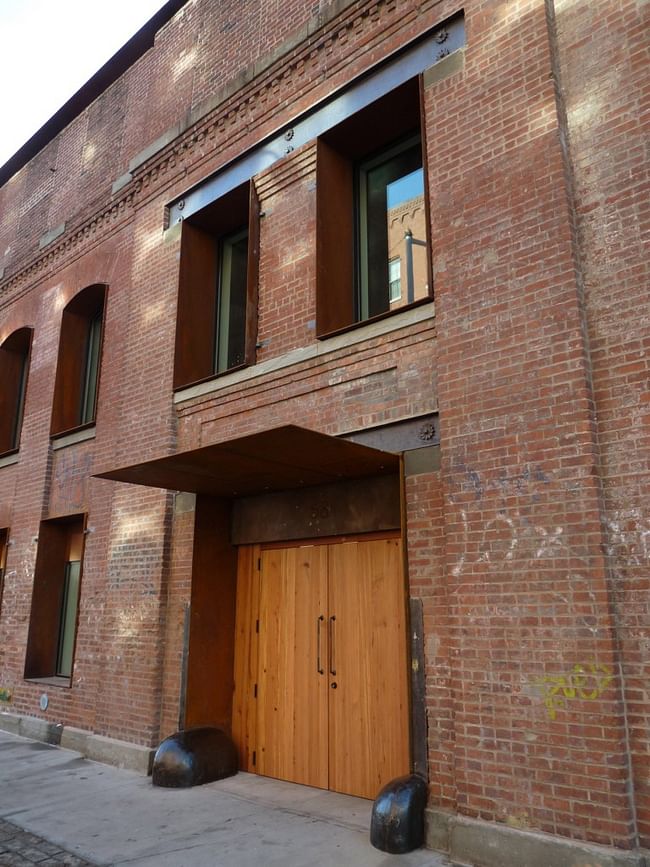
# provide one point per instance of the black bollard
(193, 757)
(397, 824)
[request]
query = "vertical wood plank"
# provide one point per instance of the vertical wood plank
(244, 717)
(292, 695)
(368, 709)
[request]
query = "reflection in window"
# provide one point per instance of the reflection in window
(394, 280)
(230, 333)
(391, 229)
(68, 620)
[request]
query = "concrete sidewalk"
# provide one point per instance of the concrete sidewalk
(113, 817)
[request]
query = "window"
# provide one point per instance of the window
(394, 280)
(217, 299)
(14, 367)
(55, 598)
(79, 361)
(68, 621)
(372, 213)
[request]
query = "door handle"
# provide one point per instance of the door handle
(319, 667)
(331, 645)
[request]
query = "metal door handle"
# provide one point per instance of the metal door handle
(331, 645)
(319, 668)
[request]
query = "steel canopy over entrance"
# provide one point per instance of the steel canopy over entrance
(280, 459)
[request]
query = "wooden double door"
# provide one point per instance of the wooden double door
(321, 690)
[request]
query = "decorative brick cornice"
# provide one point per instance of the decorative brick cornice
(307, 67)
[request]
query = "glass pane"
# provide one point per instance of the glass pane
(392, 229)
(20, 404)
(231, 312)
(394, 281)
(68, 622)
(89, 393)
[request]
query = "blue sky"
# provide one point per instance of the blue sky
(48, 49)
(405, 188)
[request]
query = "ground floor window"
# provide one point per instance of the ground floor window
(55, 598)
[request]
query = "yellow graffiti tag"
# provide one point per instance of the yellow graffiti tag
(586, 682)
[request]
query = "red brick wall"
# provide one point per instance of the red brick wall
(604, 81)
(529, 547)
(539, 724)
(426, 569)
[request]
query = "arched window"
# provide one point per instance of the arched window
(79, 361)
(14, 367)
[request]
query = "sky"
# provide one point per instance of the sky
(49, 48)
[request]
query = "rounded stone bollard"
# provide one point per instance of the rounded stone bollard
(193, 757)
(397, 824)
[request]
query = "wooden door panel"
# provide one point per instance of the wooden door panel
(244, 714)
(368, 709)
(292, 741)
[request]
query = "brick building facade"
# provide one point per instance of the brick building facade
(507, 399)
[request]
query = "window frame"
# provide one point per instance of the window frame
(363, 168)
(398, 280)
(56, 539)
(391, 120)
(79, 361)
(68, 623)
(222, 328)
(15, 359)
(198, 285)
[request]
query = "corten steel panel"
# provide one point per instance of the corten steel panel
(198, 283)
(345, 508)
(274, 460)
(367, 132)
(210, 664)
(197, 296)
(334, 241)
(226, 214)
(14, 367)
(45, 610)
(72, 358)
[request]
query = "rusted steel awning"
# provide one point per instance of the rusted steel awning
(280, 459)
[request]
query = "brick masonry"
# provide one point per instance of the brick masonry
(529, 548)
